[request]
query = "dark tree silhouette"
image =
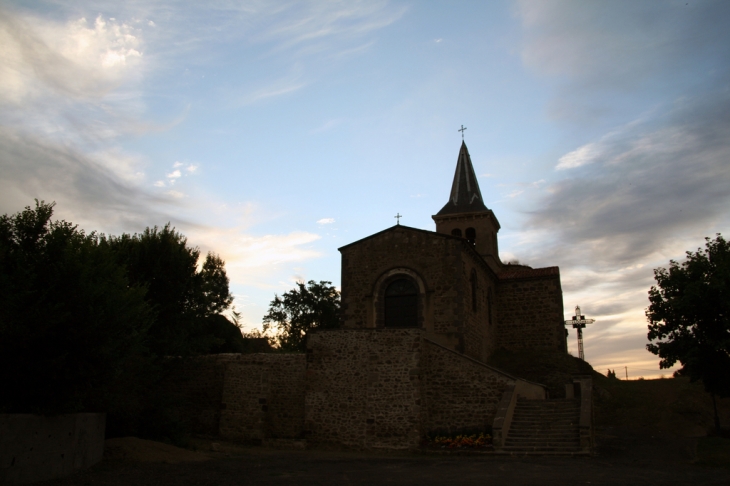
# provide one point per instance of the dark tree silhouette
(184, 298)
(68, 315)
(689, 317)
(303, 309)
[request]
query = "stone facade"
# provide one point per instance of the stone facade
(360, 388)
(364, 388)
(460, 393)
(530, 310)
(263, 396)
(462, 303)
(442, 267)
(250, 397)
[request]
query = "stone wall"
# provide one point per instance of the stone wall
(263, 396)
(460, 393)
(37, 448)
(478, 333)
(364, 388)
(199, 384)
(530, 310)
(243, 396)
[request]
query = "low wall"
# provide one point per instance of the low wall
(364, 388)
(263, 396)
(199, 385)
(460, 393)
(36, 448)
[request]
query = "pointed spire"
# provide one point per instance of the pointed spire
(465, 194)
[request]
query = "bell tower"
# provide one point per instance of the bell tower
(465, 214)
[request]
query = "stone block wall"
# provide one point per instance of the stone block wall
(364, 388)
(243, 396)
(199, 384)
(459, 393)
(263, 396)
(478, 333)
(530, 311)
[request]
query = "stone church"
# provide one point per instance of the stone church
(422, 312)
(451, 283)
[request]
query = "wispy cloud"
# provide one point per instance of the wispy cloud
(71, 88)
(326, 221)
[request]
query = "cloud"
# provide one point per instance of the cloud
(85, 187)
(251, 259)
(644, 87)
(80, 59)
(326, 221)
(621, 45)
(580, 156)
(647, 185)
(617, 49)
(312, 27)
(175, 174)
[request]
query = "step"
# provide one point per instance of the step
(536, 440)
(542, 450)
(546, 423)
(544, 427)
(524, 435)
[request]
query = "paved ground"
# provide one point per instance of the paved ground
(622, 458)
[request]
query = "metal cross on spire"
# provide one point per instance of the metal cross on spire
(462, 132)
(398, 217)
(579, 322)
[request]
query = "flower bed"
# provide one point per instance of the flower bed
(481, 441)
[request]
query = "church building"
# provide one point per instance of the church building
(422, 311)
(451, 283)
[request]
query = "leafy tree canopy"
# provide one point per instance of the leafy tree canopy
(301, 310)
(68, 315)
(689, 316)
(184, 297)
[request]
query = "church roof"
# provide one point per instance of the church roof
(518, 273)
(465, 194)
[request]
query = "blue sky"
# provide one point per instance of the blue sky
(273, 133)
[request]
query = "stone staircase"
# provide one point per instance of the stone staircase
(544, 427)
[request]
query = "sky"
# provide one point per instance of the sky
(274, 132)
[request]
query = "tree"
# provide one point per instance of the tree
(689, 315)
(301, 310)
(184, 298)
(68, 315)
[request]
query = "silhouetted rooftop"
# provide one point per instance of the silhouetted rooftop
(465, 194)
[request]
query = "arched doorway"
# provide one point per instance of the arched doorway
(401, 303)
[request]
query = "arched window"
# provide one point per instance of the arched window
(471, 235)
(473, 281)
(456, 232)
(401, 304)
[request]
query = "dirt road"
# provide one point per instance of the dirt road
(621, 459)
